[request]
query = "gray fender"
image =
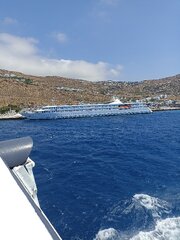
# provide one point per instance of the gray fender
(16, 151)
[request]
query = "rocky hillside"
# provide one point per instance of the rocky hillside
(24, 90)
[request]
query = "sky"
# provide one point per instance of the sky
(122, 40)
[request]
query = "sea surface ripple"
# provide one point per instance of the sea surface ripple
(107, 178)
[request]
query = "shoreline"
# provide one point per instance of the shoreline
(18, 116)
(165, 109)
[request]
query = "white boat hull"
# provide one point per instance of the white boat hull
(85, 113)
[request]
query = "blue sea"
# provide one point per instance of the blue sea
(107, 178)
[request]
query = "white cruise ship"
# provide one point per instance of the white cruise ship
(86, 110)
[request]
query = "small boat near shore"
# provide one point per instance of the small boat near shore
(86, 110)
(11, 115)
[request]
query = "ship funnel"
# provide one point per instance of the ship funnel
(16, 151)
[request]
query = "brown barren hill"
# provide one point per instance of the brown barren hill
(26, 90)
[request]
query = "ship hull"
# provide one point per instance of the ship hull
(85, 113)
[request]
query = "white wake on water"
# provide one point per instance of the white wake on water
(107, 234)
(167, 229)
(155, 205)
(164, 229)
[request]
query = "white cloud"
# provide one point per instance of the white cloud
(60, 37)
(9, 21)
(21, 54)
(109, 2)
(103, 9)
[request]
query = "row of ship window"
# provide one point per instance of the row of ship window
(77, 108)
(88, 108)
(73, 110)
